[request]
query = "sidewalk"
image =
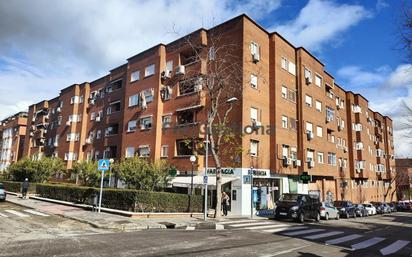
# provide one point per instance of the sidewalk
(104, 220)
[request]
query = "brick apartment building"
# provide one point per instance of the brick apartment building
(404, 178)
(12, 136)
(153, 103)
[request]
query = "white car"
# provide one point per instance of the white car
(2, 193)
(328, 211)
(370, 208)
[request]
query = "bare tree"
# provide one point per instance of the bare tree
(406, 29)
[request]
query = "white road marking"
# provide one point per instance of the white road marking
(19, 214)
(323, 235)
(269, 226)
(252, 224)
(37, 213)
(283, 229)
(219, 227)
(236, 221)
(190, 228)
(342, 239)
(393, 248)
(306, 231)
(287, 251)
(367, 243)
(3, 215)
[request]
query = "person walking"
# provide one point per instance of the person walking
(225, 203)
(25, 188)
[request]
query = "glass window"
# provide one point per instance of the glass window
(320, 157)
(284, 63)
(131, 125)
(129, 152)
(166, 120)
(308, 100)
(319, 131)
(149, 70)
(253, 114)
(332, 159)
(284, 122)
(133, 100)
(164, 152)
(318, 105)
(254, 81)
(284, 92)
(318, 80)
(146, 123)
(135, 76)
(309, 126)
(169, 65)
(254, 147)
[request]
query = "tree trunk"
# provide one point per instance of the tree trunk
(218, 212)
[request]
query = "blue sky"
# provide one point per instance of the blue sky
(47, 45)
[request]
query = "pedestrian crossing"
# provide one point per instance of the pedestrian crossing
(351, 241)
(21, 213)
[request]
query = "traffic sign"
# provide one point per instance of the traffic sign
(305, 177)
(205, 179)
(103, 164)
(173, 172)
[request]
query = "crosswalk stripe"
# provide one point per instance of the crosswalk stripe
(268, 226)
(394, 247)
(284, 229)
(235, 221)
(323, 235)
(342, 239)
(306, 231)
(37, 213)
(367, 243)
(3, 215)
(19, 214)
(252, 224)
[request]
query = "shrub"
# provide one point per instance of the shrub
(123, 199)
(35, 170)
(12, 186)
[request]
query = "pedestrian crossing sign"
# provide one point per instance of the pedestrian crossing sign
(103, 165)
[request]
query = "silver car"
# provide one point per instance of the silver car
(370, 208)
(328, 211)
(2, 193)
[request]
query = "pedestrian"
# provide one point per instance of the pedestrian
(25, 188)
(225, 203)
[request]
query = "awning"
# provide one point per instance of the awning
(189, 108)
(198, 181)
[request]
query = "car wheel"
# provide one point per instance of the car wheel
(354, 215)
(317, 218)
(360, 215)
(337, 216)
(347, 215)
(326, 216)
(301, 217)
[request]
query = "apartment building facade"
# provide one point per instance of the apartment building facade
(12, 136)
(404, 178)
(297, 118)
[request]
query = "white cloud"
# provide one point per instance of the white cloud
(321, 22)
(387, 90)
(48, 45)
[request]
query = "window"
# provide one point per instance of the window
(92, 116)
(254, 114)
(112, 130)
(318, 80)
(70, 156)
(146, 123)
(75, 118)
(284, 92)
(293, 124)
(308, 73)
(254, 147)
(319, 131)
(113, 107)
(135, 76)
(189, 86)
(96, 155)
(309, 127)
(308, 101)
(293, 153)
(73, 137)
(285, 151)
(318, 106)
(330, 113)
(253, 81)
(98, 134)
(131, 125)
(186, 117)
(309, 155)
(169, 65)
(332, 159)
(148, 94)
(255, 50)
(129, 152)
(166, 120)
(320, 157)
(164, 151)
(133, 100)
(144, 151)
(284, 63)
(284, 122)
(149, 70)
(74, 100)
(184, 148)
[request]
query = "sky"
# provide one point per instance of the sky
(47, 45)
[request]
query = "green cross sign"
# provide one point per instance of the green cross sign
(173, 172)
(305, 177)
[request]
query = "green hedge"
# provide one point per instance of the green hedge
(12, 186)
(123, 199)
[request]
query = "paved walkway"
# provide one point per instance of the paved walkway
(103, 220)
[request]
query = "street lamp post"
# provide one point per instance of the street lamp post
(251, 192)
(192, 160)
(206, 167)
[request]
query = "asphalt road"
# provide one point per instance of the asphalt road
(55, 236)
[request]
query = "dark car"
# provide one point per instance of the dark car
(361, 211)
(379, 207)
(393, 207)
(346, 209)
(298, 207)
(2, 193)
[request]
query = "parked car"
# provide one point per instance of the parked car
(2, 193)
(404, 206)
(370, 208)
(328, 211)
(379, 207)
(386, 208)
(361, 210)
(298, 207)
(393, 207)
(346, 209)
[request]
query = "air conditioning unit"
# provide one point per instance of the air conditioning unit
(345, 149)
(256, 124)
(358, 170)
(34, 119)
(298, 163)
(45, 131)
(286, 161)
(255, 57)
(31, 134)
(59, 109)
(198, 87)
(308, 80)
(88, 141)
(340, 127)
(180, 70)
(68, 123)
(166, 74)
(92, 101)
(142, 126)
(98, 118)
(310, 135)
(55, 144)
(311, 164)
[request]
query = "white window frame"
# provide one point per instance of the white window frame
(319, 131)
(285, 121)
(130, 127)
(149, 70)
(135, 76)
(320, 157)
(253, 81)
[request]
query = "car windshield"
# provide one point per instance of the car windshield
(290, 198)
(1, 186)
(367, 205)
(341, 204)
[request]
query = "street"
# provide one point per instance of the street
(28, 232)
